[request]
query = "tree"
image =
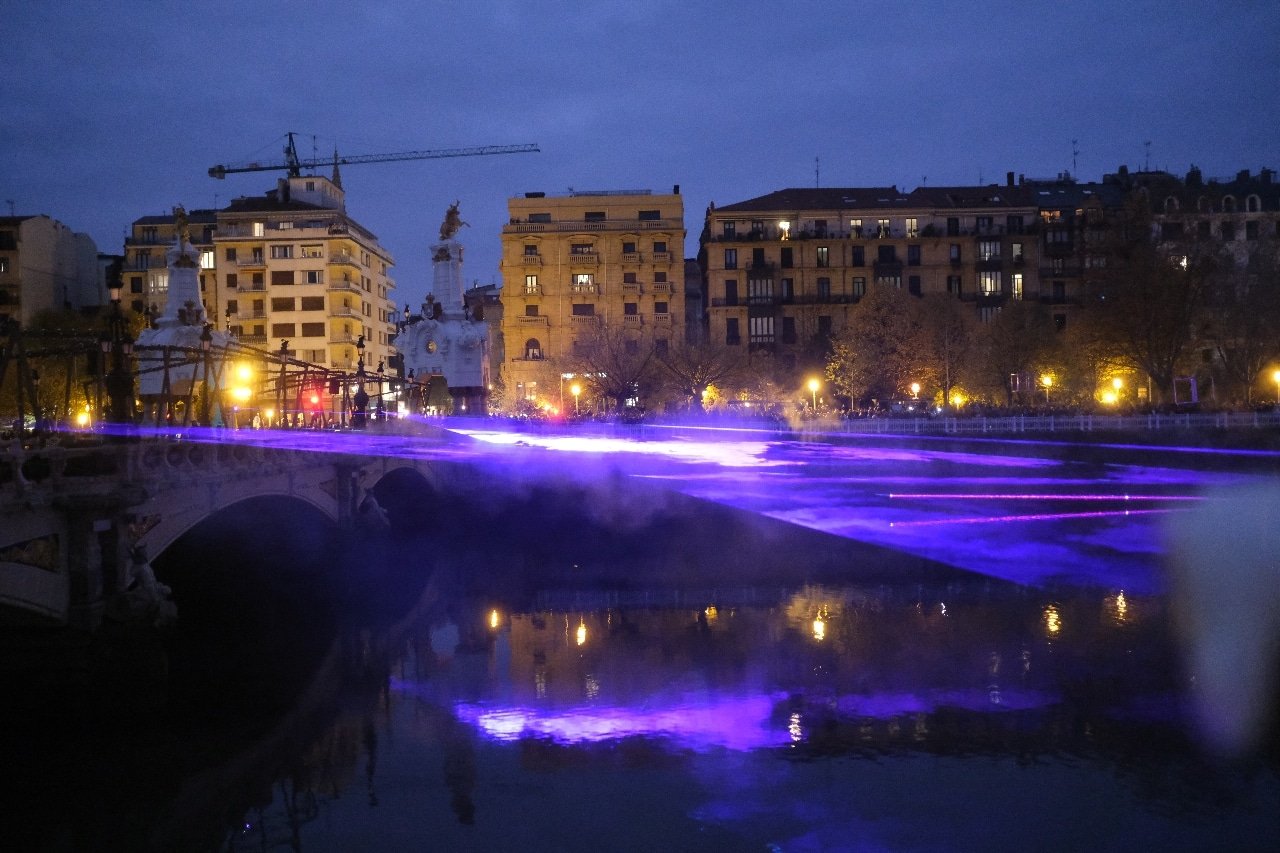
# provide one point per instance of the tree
(948, 332)
(693, 367)
(1149, 300)
(1017, 341)
(1243, 324)
(614, 364)
(882, 349)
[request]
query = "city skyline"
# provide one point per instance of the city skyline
(118, 114)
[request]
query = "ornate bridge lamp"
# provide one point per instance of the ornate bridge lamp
(117, 343)
(360, 402)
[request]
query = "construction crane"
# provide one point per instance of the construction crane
(294, 166)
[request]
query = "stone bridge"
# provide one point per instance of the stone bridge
(72, 513)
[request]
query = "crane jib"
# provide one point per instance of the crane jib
(293, 165)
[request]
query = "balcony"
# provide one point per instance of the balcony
(585, 289)
(343, 259)
(341, 338)
(343, 311)
(536, 319)
(533, 290)
(531, 260)
(345, 285)
(663, 287)
(661, 257)
(632, 320)
(252, 262)
(584, 319)
(252, 339)
(632, 288)
(631, 257)
(584, 257)
(662, 319)
(258, 314)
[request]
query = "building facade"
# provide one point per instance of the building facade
(288, 267)
(783, 271)
(572, 264)
(45, 266)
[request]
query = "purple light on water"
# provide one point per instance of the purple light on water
(997, 496)
(1059, 516)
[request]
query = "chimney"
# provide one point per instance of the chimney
(675, 190)
(1265, 176)
(1008, 177)
(1242, 175)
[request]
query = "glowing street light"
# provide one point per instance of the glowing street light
(915, 390)
(1276, 377)
(575, 389)
(814, 385)
(1047, 382)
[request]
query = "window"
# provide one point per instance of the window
(787, 290)
(530, 250)
(859, 286)
(953, 285)
(284, 330)
(256, 252)
(989, 282)
(312, 251)
(1014, 224)
(313, 330)
(531, 310)
(282, 303)
(532, 349)
(312, 303)
(889, 279)
(987, 313)
(531, 284)
(882, 228)
(584, 310)
(660, 277)
(631, 347)
(913, 227)
(233, 279)
(1058, 266)
(824, 256)
(859, 256)
(583, 282)
(629, 278)
(1058, 235)
(824, 287)
(788, 330)
(230, 253)
(824, 326)
(539, 217)
(730, 259)
(855, 227)
(731, 336)
(759, 291)
(232, 306)
(660, 308)
(988, 250)
(760, 329)
(787, 257)
(660, 246)
(1015, 250)
(630, 309)
(757, 228)
(757, 257)
(1015, 282)
(953, 226)
(820, 227)
(282, 276)
(886, 255)
(729, 229)
(581, 249)
(650, 215)
(206, 259)
(985, 224)
(954, 254)
(913, 255)
(314, 276)
(731, 291)
(594, 216)
(1059, 291)
(259, 229)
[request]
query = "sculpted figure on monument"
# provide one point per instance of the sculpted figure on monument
(452, 222)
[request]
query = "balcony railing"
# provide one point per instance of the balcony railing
(526, 319)
(584, 257)
(663, 287)
(342, 258)
(531, 260)
(584, 319)
(518, 227)
(585, 288)
(251, 261)
(662, 319)
(344, 284)
(661, 257)
(633, 288)
(632, 320)
(631, 257)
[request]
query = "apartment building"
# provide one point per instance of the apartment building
(45, 266)
(144, 276)
(573, 263)
(784, 270)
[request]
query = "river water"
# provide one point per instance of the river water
(449, 692)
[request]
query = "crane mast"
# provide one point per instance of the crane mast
(294, 165)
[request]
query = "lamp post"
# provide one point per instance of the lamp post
(1276, 377)
(361, 400)
(575, 389)
(117, 343)
(1047, 382)
(915, 390)
(813, 391)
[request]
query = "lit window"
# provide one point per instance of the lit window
(282, 251)
(259, 229)
(913, 227)
(583, 281)
(206, 259)
(824, 256)
(882, 228)
(1016, 282)
(309, 251)
(988, 250)
(531, 284)
(989, 282)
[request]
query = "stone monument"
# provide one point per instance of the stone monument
(446, 340)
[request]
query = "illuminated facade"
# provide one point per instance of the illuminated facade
(145, 276)
(573, 263)
(293, 267)
(45, 266)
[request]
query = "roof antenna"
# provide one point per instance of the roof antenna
(1075, 152)
(1146, 158)
(816, 173)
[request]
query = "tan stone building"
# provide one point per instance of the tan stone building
(571, 263)
(45, 266)
(290, 265)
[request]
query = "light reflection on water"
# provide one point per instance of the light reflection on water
(1000, 713)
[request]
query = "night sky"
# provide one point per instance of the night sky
(116, 110)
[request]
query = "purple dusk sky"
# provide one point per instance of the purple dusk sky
(115, 110)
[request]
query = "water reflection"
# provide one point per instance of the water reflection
(700, 711)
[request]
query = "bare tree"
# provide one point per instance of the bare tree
(1018, 340)
(948, 332)
(881, 350)
(1244, 316)
(614, 364)
(693, 366)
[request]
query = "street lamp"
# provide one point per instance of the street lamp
(575, 389)
(1276, 377)
(814, 384)
(1047, 382)
(117, 343)
(915, 390)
